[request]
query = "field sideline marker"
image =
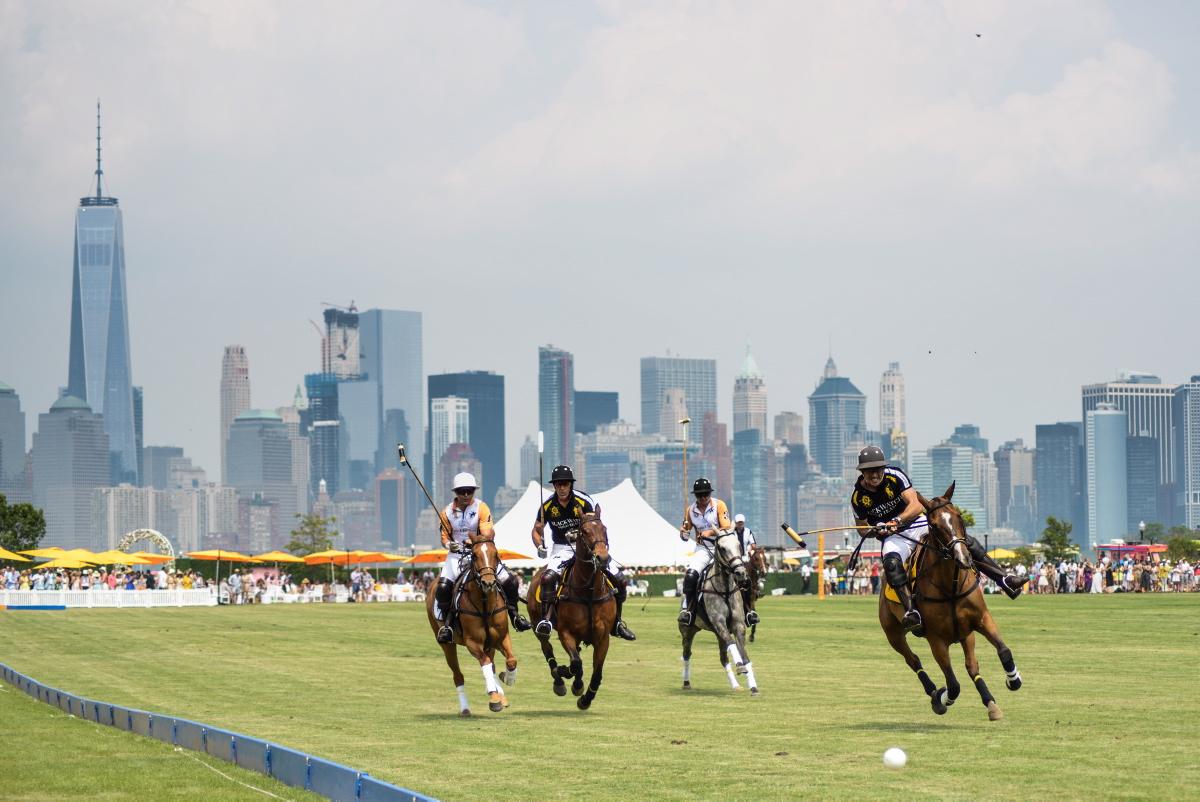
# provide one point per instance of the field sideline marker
(333, 780)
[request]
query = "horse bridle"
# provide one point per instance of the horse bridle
(476, 570)
(945, 550)
(729, 564)
(575, 537)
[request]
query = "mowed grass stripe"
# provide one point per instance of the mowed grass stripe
(48, 755)
(1109, 680)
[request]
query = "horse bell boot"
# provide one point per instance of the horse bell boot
(510, 596)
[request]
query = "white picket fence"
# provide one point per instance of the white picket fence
(109, 598)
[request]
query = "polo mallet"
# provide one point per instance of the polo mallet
(404, 461)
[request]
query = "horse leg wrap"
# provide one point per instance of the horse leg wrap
(750, 679)
(510, 678)
(462, 696)
(926, 682)
(687, 670)
(489, 678)
(953, 689)
(1006, 660)
(943, 698)
(984, 693)
(733, 683)
(735, 657)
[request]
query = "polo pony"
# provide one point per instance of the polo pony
(946, 589)
(480, 624)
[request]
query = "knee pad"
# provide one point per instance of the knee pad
(893, 569)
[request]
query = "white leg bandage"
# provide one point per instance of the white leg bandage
(735, 657)
(733, 683)
(489, 678)
(462, 696)
(687, 670)
(750, 680)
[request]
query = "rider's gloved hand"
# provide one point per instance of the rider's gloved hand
(541, 552)
(454, 546)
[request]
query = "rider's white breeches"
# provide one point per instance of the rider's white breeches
(457, 563)
(701, 559)
(895, 544)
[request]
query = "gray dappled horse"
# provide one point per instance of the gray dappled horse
(719, 609)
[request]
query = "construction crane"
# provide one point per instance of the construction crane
(352, 309)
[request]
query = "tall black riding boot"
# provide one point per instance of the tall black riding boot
(510, 596)
(444, 596)
(691, 587)
(549, 591)
(747, 604)
(893, 569)
(620, 590)
(1011, 585)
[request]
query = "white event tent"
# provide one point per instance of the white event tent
(637, 535)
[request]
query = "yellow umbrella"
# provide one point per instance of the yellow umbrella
(393, 558)
(278, 557)
(429, 557)
(115, 557)
(323, 557)
(152, 557)
(1002, 554)
(790, 561)
(5, 554)
(76, 554)
(218, 555)
(65, 562)
(49, 551)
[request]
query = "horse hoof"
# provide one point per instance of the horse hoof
(994, 712)
(584, 703)
(560, 689)
(495, 707)
(1013, 685)
(935, 702)
(576, 690)
(466, 711)
(687, 686)
(754, 691)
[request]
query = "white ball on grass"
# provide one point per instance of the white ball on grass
(895, 758)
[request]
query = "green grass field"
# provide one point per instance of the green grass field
(1109, 708)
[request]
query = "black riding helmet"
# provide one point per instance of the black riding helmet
(701, 485)
(871, 457)
(562, 473)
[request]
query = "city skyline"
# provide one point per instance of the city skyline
(1042, 227)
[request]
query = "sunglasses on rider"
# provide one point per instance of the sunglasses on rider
(703, 495)
(465, 491)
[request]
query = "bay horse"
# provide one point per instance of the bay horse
(756, 569)
(946, 589)
(719, 609)
(481, 624)
(585, 611)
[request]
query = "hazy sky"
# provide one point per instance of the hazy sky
(1008, 215)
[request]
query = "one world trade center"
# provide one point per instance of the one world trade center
(99, 371)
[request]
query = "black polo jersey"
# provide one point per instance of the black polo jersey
(884, 502)
(563, 518)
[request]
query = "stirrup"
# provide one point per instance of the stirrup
(911, 620)
(520, 622)
(622, 631)
(685, 616)
(752, 618)
(544, 627)
(445, 634)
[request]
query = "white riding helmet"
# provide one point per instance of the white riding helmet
(463, 480)
(739, 519)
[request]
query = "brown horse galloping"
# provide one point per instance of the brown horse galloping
(482, 618)
(946, 591)
(585, 611)
(756, 568)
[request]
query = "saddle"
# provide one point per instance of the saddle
(563, 583)
(910, 568)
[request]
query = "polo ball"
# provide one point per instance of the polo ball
(895, 758)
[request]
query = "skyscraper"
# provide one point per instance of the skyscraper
(1141, 482)
(529, 462)
(967, 434)
(391, 344)
(260, 464)
(1185, 412)
(593, 408)
(789, 428)
(156, 464)
(484, 392)
(934, 469)
(320, 421)
(1015, 488)
(340, 351)
(892, 414)
(750, 398)
(70, 460)
(1059, 473)
(138, 420)
(449, 423)
(837, 415)
(12, 437)
(99, 373)
(235, 395)
(696, 377)
(1105, 437)
(556, 403)
(1146, 402)
(751, 479)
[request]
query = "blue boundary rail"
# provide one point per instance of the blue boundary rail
(288, 766)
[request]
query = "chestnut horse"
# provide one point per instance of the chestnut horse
(585, 611)
(481, 624)
(756, 567)
(947, 592)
